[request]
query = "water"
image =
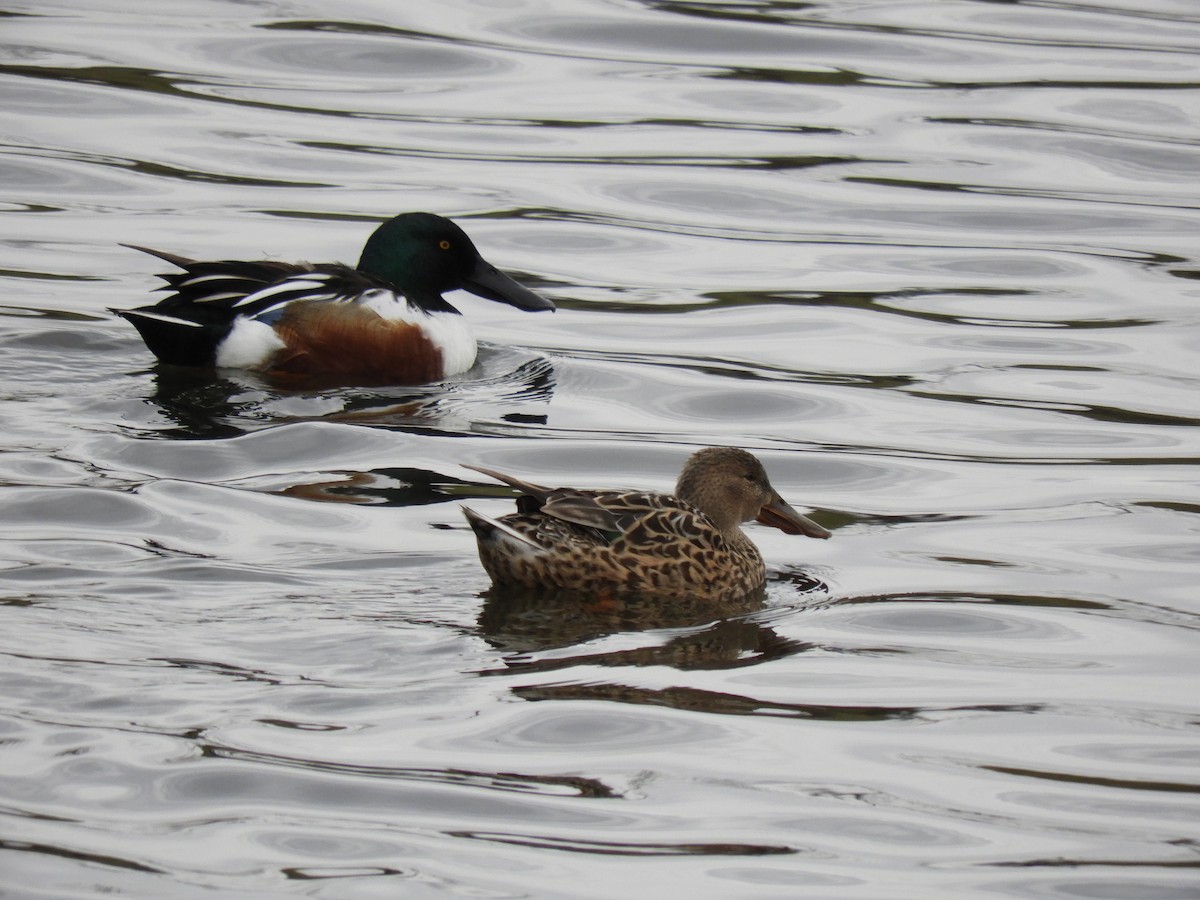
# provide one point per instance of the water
(934, 262)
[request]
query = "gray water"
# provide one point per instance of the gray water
(935, 262)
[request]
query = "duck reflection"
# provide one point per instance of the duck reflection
(199, 405)
(525, 627)
(202, 404)
(391, 486)
(699, 634)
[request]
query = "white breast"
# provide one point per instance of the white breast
(449, 332)
(250, 344)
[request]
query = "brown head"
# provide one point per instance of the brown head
(730, 486)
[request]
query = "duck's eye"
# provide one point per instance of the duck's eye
(444, 244)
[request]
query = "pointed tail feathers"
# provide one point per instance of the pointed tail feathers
(494, 531)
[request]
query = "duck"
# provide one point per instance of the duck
(617, 544)
(384, 320)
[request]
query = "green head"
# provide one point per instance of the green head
(424, 255)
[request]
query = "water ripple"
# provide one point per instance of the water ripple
(934, 263)
(335, 57)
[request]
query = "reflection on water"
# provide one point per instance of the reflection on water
(199, 403)
(933, 262)
(520, 623)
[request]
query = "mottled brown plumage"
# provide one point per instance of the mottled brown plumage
(633, 543)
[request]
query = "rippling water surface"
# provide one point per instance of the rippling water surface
(935, 262)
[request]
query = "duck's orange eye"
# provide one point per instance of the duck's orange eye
(445, 245)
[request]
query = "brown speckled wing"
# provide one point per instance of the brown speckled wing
(677, 526)
(611, 511)
(580, 509)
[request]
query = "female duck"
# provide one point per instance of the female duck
(632, 543)
(384, 320)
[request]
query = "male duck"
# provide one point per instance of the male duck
(384, 320)
(633, 543)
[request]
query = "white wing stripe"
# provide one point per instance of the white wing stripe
(300, 286)
(200, 279)
(228, 295)
(172, 320)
